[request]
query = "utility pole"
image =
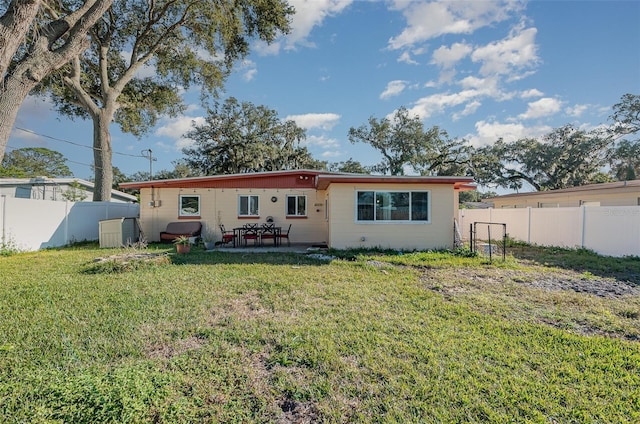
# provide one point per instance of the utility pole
(148, 154)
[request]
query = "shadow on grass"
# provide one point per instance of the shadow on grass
(581, 260)
(198, 256)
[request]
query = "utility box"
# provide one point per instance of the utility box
(119, 232)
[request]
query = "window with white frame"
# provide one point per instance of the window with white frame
(296, 205)
(385, 206)
(248, 205)
(189, 205)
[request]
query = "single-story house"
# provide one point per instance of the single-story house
(619, 193)
(338, 209)
(60, 189)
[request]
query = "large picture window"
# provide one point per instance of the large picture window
(189, 205)
(296, 205)
(248, 206)
(392, 206)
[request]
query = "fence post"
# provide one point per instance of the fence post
(529, 225)
(584, 225)
(66, 222)
(3, 200)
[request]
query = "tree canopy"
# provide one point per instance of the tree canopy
(566, 157)
(241, 137)
(32, 162)
(351, 166)
(183, 42)
(625, 157)
(403, 142)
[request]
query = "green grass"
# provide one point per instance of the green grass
(373, 337)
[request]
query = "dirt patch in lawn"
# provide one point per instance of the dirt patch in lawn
(565, 299)
(176, 348)
(541, 278)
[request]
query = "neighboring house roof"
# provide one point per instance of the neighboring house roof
(296, 178)
(63, 182)
(632, 185)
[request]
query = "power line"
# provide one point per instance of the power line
(77, 144)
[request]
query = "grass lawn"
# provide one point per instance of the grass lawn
(550, 336)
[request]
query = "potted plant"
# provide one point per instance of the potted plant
(183, 244)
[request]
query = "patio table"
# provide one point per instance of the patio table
(239, 233)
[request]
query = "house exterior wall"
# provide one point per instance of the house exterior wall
(608, 197)
(346, 232)
(220, 206)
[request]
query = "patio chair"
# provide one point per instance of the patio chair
(268, 232)
(285, 234)
(251, 232)
(227, 235)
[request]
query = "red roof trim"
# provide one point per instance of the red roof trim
(462, 183)
(318, 179)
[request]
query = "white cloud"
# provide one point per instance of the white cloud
(405, 57)
(474, 89)
(308, 15)
(446, 57)
(332, 154)
(325, 121)
(437, 103)
(516, 52)
(394, 88)
(469, 109)
(576, 110)
(27, 136)
(489, 85)
(250, 74)
(322, 142)
(489, 132)
(428, 20)
(540, 108)
(531, 93)
(176, 128)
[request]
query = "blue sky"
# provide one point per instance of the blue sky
(481, 70)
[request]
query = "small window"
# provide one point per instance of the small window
(23, 192)
(248, 205)
(296, 205)
(189, 205)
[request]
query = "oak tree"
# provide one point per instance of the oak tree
(239, 137)
(566, 157)
(404, 142)
(144, 53)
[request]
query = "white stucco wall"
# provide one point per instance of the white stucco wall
(220, 206)
(346, 232)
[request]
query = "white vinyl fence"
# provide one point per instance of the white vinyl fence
(30, 224)
(607, 230)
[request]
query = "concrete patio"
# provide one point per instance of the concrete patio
(283, 248)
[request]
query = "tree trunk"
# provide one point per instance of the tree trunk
(45, 55)
(102, 154)
(11, 98)
(14, 25)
